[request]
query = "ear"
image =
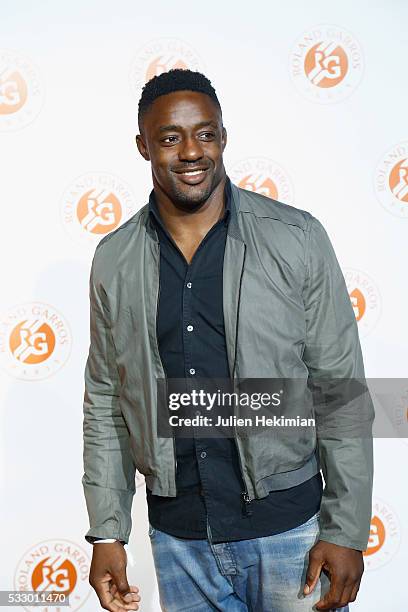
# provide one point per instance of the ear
(141, 145)
(224, 138)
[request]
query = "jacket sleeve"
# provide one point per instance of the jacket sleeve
(109, 471)
(344, 419)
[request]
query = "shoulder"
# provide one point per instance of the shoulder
(264, 207)
(111, 246)
(121, 233)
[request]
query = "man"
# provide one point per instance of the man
(209, 280)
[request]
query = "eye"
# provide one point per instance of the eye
(169, 139)
(207, 135)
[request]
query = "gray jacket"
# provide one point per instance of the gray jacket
(287, 314)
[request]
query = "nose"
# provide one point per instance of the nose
(190, 150)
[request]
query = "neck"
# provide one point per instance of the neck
(184, 222)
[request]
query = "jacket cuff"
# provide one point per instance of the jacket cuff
(344, 541)
(102, 533)
(103, 540)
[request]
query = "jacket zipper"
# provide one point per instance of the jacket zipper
(246, 498)
(161, 363)
(244, 494)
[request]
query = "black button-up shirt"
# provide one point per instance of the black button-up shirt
(191, 339)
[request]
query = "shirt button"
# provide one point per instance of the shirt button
(189, 285)
(203, 455)
(197, 413)
(190, 328)
(192, 371)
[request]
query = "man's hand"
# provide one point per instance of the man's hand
(108, 577)
(344, 567)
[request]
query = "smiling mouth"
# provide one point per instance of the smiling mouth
(192, 172)
(192, 177)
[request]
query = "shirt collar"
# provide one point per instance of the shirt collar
(154, 209)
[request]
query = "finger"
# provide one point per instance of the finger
(355, 590)
(333, 594)
(344, 598)
(106, 598)
(121, 606)
(118, 605)
(133, 605)
(132, 588)
(312, 574)
(133, 595)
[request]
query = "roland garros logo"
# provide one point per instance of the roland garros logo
(385, 536)
(365, 299)
(58, 566)
(35, 341)
(326, 63)
(391, 180)
(264, 176)
(161, 55)
(95, 204)
(21, 91)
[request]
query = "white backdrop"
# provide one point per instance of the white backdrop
(314, 99)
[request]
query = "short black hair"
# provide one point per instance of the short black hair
(176, 79)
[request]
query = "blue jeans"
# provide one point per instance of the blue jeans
(258, 575)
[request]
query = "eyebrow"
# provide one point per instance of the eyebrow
(179, 128)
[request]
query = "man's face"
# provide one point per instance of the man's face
(183, 138)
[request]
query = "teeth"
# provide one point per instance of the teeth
(192, 172)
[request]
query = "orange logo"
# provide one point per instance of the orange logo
(32, 341)
(391, 180)
(377, 536)
(263, 176)
(94, 205)
(56, 574)
(99, 212)
(21, 92)
(326, 64)
(161, 55)
(13, 92)
(398, 180)
(259, 184)
(365, 299)
(35, 341)
(385, 536)
(358, 302)
(58, 566)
